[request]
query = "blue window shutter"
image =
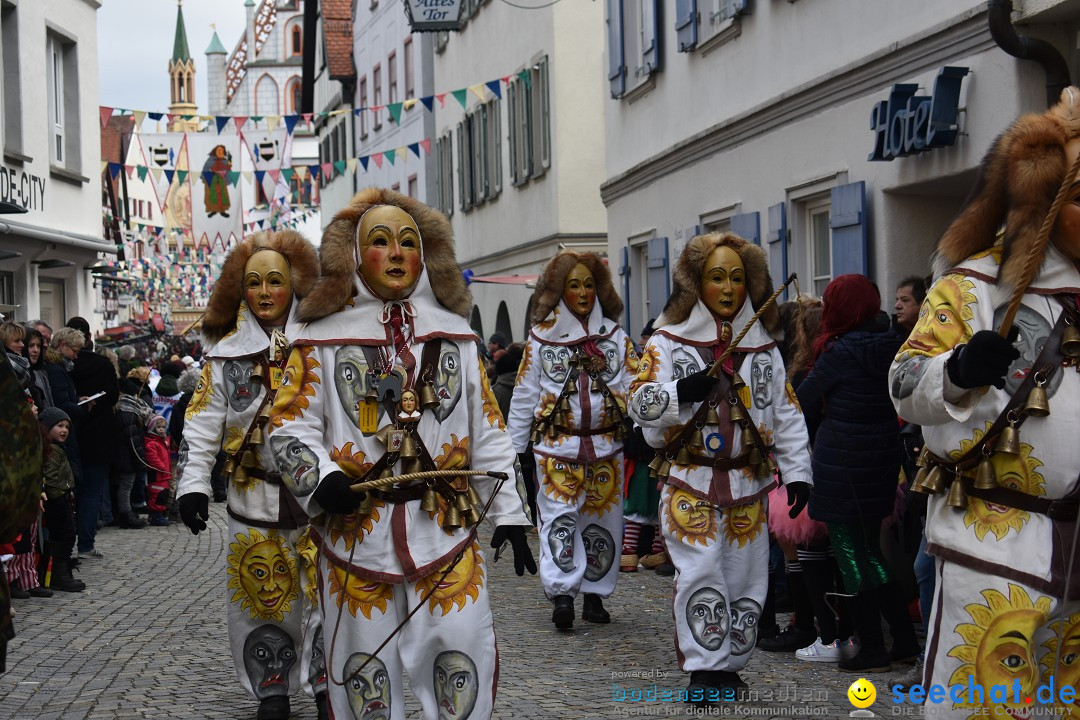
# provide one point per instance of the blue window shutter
(650, 36)
(624, 272)
(847, 219)
(747, 226)
(778, 243)
(659, 281)
(686, 24)
(616, 61)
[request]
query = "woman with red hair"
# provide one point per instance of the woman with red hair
(856, 461)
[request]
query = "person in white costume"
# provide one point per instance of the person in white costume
(719, 442)
(271, 599)
(570, 402)
(999, 418)
(386, 380)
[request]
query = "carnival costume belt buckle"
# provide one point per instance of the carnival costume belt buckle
(1063, 510)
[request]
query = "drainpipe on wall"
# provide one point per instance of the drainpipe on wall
(999, 19)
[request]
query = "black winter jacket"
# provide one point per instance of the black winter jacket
(853, 427)
(131, 453)
(97, 432)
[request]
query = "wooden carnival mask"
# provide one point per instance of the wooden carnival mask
(723, 282)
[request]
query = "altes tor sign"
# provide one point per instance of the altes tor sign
(907, 123)
(432, 15)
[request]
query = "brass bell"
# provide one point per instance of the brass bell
(257, 372)
(924, 457)
(474, 497)
(918, 485)
(536, 436)
(738, 415)
(552, 433)
(654, 465)
(428, 399)
(1070, 341)
(1037, 405)
(985, 477)
(411, 465)
(461, 502)
(429, 501)
(248, 459)
(712, 417)
(773, 468)
(372, 394)
(367, 504)
(697, 442)
(571, 388)
(1008, 441)
(386, 473)
(564, 404)
(665, 469)
(408, 446)
(682, 457)
(264, 414)
(754, 456)
(934, 482)
(957, 496)
(452, 519)
(470, 516)
(596, 385)
(609, 402)
(256, 436)
(230, 465)
(737, 383)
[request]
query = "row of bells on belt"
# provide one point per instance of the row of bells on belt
(464, 511)
(238, 470)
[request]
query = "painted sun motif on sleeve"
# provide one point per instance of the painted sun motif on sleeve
(297, 385)
(601, 487)
(526, 361)
(690, 519)
(1065, 671)
(944, 319)
(1016, 472)
(743, 523)
(549, 322)
(357, 592)
(491, 404)
(264, 575)
(631, 361)
(444, 589)
(351, 463)
(204, 392)
(792, 398)
(648, 367)
(309, 564)
(998, 648)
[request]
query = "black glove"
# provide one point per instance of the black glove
(194, 511)
(335, 494)
(523, 557)
(695, 387)
(983, 361)
(798, 494)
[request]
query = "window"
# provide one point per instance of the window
(7, 293)
(300, 190)
(296, 40)
(293, 95)
(364, 107)
(480, 154)
(396, 187)
(266, 96)
(444, 159)
(391, 77)
(707, 23)
(633, 43)
(376, 88)
(12, 105)
(819, 244)
(335, 152)
(529, 123)
(55, 69)
(413, 187)
(410, 87)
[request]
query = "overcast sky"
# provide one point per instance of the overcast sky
(135, 42)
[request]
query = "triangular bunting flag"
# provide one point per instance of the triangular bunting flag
(395, 112)
(426, 144)
(377, 157)
(339, 165)
(139, 115)
(287, 173)
(415, 148)
(314, 171)
(493, 86)
(181, 176)
(248, 175)
(325, 167)
(256, 119)
(141, 170)
(155, 115)
(239, 121)
(106, 113)
(390, 155)
(290, 122)
(526, 77)
(114, 169)
(208, 176)
(275, 175)
(104, 166)
(429, 102)
(307, 117)
(460, 96)
(351, 164)
(441, 97)
(157, 174)
(259, 175)
(233, 177)
(478, 91)
(130, 170)
(364, 161)
(272, 121)
(221, 121)
(169, 175)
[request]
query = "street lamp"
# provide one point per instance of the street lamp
(434, 15)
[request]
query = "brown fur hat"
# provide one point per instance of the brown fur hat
(338, 261)
(220, 317)
(1017, 182)
(687, 278)
(549, 286)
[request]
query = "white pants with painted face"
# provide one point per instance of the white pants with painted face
(721, 559)
(581, 525)
(275, 625)
(447, 648)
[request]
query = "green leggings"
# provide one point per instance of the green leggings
(857, 547)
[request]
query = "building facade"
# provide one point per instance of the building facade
(334, 93)
(50, 131)
(519, 173)
(839, 151)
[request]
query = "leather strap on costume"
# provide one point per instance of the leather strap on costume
(721, 463)
(1063, 510)
(717, 396)
(585, 433)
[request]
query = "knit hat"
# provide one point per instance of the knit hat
(153, 421)
(51, 416)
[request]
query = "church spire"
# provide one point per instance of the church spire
(182, 79)
(180, 47)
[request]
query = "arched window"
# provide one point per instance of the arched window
(266, 97)
(293, 91)
(296, 40)
(502, 322)
(475, 322)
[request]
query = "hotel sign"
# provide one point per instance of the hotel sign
(907, 123)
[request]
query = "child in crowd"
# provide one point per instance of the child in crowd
(157, 457)
(59, 511)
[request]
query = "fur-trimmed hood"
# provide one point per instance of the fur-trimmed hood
(228, 294)
(687, 279)
(338, 261)
(1017, 183)
(549, 286)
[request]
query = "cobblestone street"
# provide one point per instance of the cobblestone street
(148, 640)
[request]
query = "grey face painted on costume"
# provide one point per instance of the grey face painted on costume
(369, 690)
(907, 376)
(181, 458)
(561, 542)
(555, 361)
(652, 402)
(744, 621)
(351, 380)
(317, 666)
(599, 551)
(1034, 330)
(611, 359)
(683, 364)
(456, 685)
(269, 654)
(448, 381)
(761, 372)
(297, 463)
(707, 616)
(242, 390)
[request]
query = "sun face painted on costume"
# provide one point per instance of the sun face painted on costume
(601, 488)
(352, 528)
(351, 463)
(690, 519)
(526, 361)
(263, 573)
(358, 593)
(491, 404)
(309, 561)
(562, 478)
(944, 319)
(455, 454)
(792, 398)
(234, 438)
(998, 648)
(648, 366)
(204, 392)
(743, 523)
(1015, 472)
(464, 581)
(1067, 671)
(297, 385)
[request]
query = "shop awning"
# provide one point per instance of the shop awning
(121, 330)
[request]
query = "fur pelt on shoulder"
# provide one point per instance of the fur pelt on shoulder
(220, 317)
(338, 261)
(687, 279)
(549, 286)
(1017, 182)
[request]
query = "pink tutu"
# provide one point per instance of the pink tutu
(799, 531)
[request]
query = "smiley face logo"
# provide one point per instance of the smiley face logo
(862, 693)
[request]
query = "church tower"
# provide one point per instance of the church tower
(182, 79)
